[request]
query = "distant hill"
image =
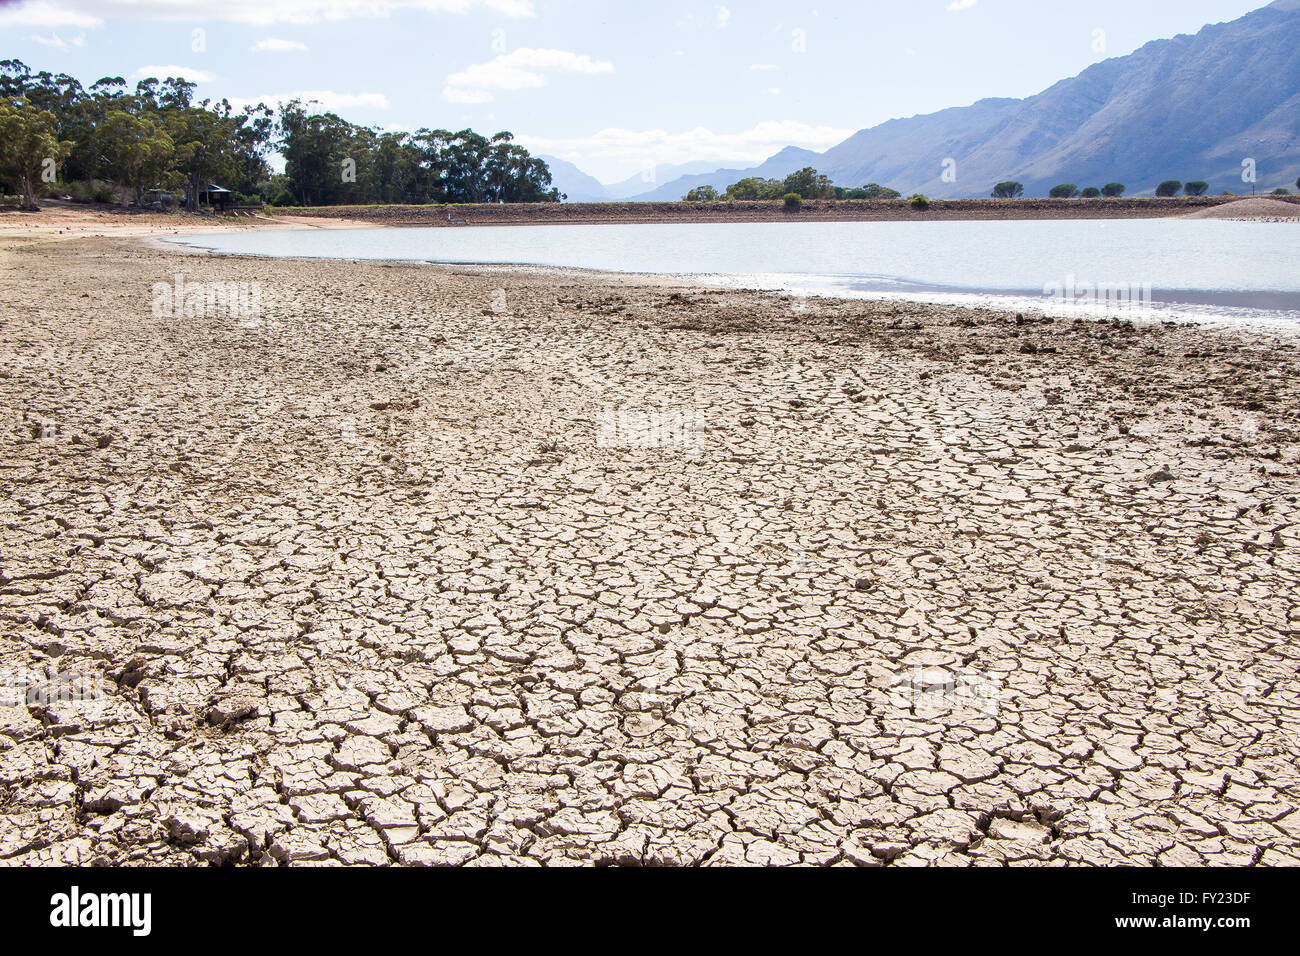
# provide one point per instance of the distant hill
(777, 167)
(1191, 107)
(643, 184)
(581, 187)
(577, 185)
(906, 154)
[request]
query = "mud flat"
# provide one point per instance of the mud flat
(423, 565)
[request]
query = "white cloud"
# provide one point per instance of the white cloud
(958, 5)
(326, 100)
(58, 43)
(163, 72)
(92, 13)
(466, 97)
(636, 149)
(521, 70)
(276, 45)
(49, 13)
(722, 17)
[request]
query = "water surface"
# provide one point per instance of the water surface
(1197, 269)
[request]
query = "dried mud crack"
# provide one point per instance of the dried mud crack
(391, 575)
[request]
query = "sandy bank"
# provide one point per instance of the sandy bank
(1254, 208)
(62, 220)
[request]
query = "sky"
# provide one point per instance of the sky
(617, 88)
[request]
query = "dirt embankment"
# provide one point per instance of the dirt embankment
(63, 220)
(846, 210)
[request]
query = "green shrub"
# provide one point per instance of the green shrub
(1064, 191)
(1008, 190)
(1113, 190)
(1092, 192)
(1281, 191)
(877, 191)
(754, 188)
(919, 202)
(1198, 187)
(1170, 187)
(91, 190)
(808, 182)
(792, 200)
(284, 199)
(702, 194)
(869, 191)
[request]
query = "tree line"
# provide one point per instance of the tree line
(806, 183)
(1199, 187)
(1015, 190)
(1167, 189)
(107, 139)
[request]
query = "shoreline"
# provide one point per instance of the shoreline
(1162, 312)
(1229, 309)
(461, 566)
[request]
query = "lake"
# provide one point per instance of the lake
(1155, 268)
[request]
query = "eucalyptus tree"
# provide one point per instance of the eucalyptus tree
(30, 150)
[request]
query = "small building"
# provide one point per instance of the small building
(157, 198)
(216, 197)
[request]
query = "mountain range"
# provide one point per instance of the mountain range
(1191, 107)
(581, 187)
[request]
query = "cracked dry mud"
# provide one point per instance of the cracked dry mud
(372, 580)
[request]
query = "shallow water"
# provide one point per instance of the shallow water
(1157, 268)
